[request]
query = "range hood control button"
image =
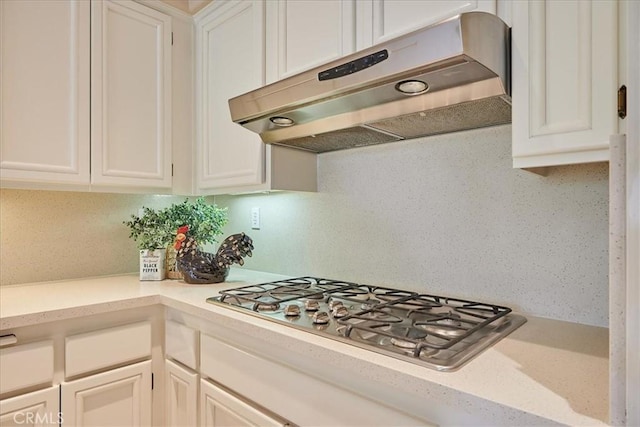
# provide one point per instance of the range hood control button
(353, 66)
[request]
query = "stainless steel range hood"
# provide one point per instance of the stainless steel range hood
(463, 63)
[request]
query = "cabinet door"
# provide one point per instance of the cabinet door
(130, 95)
(564, 60)
(304, 34)
(44, 91)
(40, 408)
(120, 397)
(181, 400)
(229, 61)
(220, 408)
(380, 20)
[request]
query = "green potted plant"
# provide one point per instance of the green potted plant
(156, 229)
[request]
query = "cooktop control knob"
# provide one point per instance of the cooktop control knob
(339, 311)
(311, 305)
(320, 318)
(292, 310)
(334, 303)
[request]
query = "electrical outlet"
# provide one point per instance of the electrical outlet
(255, 218)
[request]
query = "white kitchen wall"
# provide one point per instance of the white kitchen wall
(56, 235)
(446, 215)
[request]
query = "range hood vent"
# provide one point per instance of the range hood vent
(448, 77)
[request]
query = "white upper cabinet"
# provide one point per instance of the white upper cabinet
(130, 95)
(85, 95)
(565, 81)
(304, 34)
(380, 20)
(44, 91)
(230, 60)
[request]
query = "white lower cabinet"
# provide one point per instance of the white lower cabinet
(181, 395)
(247, 381)
(26, 366)
(39, 408)
(119, 397)
(252, 370)
(220, 408)
(23, 368)
(88, 371)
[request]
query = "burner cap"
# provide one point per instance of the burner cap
(266, 307)
(412, 347)
(406, 337)
(399, 342)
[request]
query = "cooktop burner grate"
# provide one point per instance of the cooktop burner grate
(447, 321)
(271, 294)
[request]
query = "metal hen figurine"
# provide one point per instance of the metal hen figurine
(199, 267)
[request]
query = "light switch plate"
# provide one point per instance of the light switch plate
(255, 218)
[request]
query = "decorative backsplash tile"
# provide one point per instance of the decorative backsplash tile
(447, 215)
(56, 235)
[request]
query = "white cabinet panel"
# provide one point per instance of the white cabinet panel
(26, 365)
(564, 57)
(131, 95)
(37, 409)
(231, 62)
(44, 91)
(380, 20)
(181, 398)
(304, 398)
(92, 103)
(120, 397)
(108, 347)
(304, 34)
(222, 409)
(181, 343)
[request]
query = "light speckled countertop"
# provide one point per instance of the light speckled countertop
(545, 372)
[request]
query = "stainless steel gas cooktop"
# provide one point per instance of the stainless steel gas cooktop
(438, 332)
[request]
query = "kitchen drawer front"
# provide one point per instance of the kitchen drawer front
(105, 348)
(181, 344)
(293, 394)
(26, 365)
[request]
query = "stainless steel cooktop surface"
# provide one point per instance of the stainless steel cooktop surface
(438, 332)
